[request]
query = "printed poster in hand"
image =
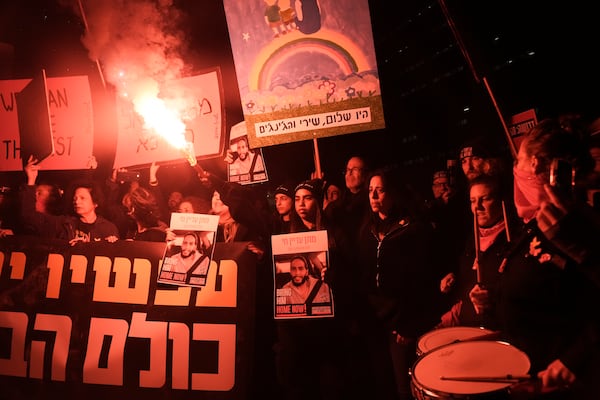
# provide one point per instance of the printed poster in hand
(300, 262)
(245, 165)
(188, 258)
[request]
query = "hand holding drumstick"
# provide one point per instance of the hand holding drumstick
(480, 298)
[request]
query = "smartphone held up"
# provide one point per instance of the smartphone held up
(562, 176)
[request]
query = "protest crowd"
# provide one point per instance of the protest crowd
(502, 243)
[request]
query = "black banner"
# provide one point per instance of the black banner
(91, 321)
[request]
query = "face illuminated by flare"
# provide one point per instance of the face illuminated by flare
(442, 189)
(283, 204)
(485, 205)
(473, 166)
(185, 207)
(218, 207)
(174, 200)
(83, 203)
(380, 202)
(354, 175)
(306, 205)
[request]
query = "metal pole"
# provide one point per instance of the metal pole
(83, 17)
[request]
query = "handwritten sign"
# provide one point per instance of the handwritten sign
(70, 102)
(204, 121)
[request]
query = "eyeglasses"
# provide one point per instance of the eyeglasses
(351, 170)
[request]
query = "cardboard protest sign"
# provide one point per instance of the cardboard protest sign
(303, 70)
(199, 99)
(70, 121)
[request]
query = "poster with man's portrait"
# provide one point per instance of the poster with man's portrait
(188, 257)
(245, 165)
(300, 262)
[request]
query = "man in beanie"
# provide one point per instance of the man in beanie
(482, 156)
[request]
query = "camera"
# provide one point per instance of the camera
(127, 176)
(562, 175)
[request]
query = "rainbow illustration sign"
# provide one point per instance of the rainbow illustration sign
(305, 69)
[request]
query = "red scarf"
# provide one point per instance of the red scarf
(528, 193)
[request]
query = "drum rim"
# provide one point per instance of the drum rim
(431, 333)
(421, 386)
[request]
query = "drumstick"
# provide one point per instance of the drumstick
(505, 221)
(476, 233)
(499, 378)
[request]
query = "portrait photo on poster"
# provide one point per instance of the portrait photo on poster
(245, 165)
(300, 289)
(188, 257)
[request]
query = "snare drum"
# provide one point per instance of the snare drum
(481, 358)
(442, 336)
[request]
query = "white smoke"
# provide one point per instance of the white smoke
(137, 42)
(137, 45)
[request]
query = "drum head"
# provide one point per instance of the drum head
(439, 337)
(468, 359)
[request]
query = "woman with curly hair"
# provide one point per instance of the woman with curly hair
(141, 205)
